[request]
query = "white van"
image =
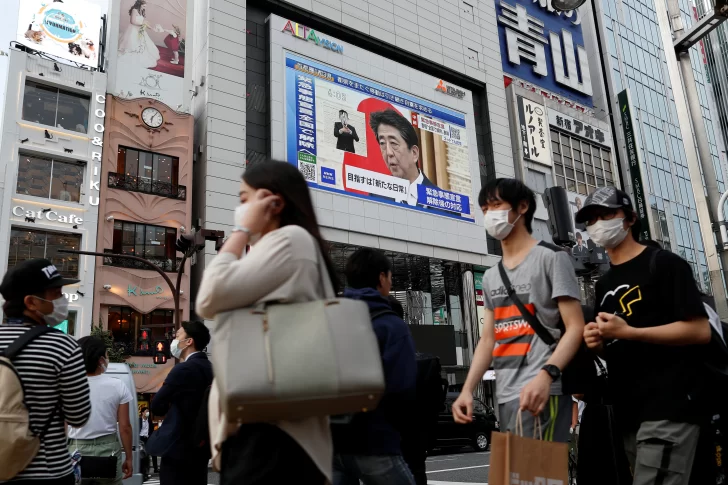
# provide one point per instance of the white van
(123, 373)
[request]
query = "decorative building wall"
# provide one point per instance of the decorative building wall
(145, 205)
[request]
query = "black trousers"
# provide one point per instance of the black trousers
(67, 480)
(262, 454)
(191, 470)
(154, 458)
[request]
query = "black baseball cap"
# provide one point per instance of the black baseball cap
(607, 197)
(31, 277)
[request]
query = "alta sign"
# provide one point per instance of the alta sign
(310, 35)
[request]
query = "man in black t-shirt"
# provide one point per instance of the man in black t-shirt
(651, 327)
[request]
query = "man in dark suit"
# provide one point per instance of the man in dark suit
(345, 133)
(400, 150)
(180, 399)
(146, 428)
(579, 249)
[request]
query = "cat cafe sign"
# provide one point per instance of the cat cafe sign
(40, 215)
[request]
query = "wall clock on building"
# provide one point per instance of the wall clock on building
(152, 117)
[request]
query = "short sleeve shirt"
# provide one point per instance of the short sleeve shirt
(107, 394)
(519, 354)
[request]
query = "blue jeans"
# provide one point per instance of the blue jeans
(371, 470)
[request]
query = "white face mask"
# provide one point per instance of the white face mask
(240, 212)
(175, 350)
(104, 366)
(60, 311)
(497, 225)
(609, 234)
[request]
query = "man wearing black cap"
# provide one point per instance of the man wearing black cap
(50, 366)
(651, 327)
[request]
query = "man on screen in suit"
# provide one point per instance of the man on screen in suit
(580, 249)
(179, 400)
(345, 133)
(399, 146)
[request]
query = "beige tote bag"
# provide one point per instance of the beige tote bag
(288, 361)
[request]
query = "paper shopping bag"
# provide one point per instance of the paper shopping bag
(515, 460)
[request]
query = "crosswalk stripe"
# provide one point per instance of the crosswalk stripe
(430, 482)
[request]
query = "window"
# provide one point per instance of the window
(55, 107)
(68, 326)
(579, 166)
(47, 178)
(148, 172)
(154, 243)
(30, 244)
(129, 328)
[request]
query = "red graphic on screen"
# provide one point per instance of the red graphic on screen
(373, 161)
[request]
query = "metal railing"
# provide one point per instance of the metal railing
(165, 264)
(147, 186)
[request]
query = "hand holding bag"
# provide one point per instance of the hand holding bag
(288, 361)
(515, 459)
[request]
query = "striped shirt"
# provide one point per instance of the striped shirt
(52, 370)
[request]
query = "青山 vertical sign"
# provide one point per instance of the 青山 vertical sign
(633, 159)
(533, 129)
(544, 47)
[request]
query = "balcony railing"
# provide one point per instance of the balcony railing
(147, 186)
(165, 264)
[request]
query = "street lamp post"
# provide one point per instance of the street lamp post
(684, 39)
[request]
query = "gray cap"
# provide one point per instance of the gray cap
(607, 197)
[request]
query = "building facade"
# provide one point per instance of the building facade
(53, 124)
(272, 81)
(637, 57)
(144, 208)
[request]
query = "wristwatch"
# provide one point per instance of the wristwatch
(553, 371)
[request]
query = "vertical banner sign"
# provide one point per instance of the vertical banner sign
(533, 128)
(633, 159)
(151, 57)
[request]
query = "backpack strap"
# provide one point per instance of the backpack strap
(12, 350)
(532, 320)
(380, 313)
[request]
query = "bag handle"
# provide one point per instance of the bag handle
(532, 320)
(326, 287)
(537, 432)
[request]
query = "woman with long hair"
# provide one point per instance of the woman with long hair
(110, 400)
(277, 219)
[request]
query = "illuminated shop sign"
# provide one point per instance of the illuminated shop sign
(544, 47)
(98, 143)
(46, 214)
(310, 35)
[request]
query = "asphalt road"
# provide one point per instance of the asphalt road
(446, 467)
(450, 467)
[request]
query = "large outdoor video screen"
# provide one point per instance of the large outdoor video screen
(354, 136)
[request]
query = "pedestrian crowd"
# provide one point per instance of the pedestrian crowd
(632, 377)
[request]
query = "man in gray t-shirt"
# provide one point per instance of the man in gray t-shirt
(527, 370)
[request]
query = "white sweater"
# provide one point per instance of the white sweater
(282, 266)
